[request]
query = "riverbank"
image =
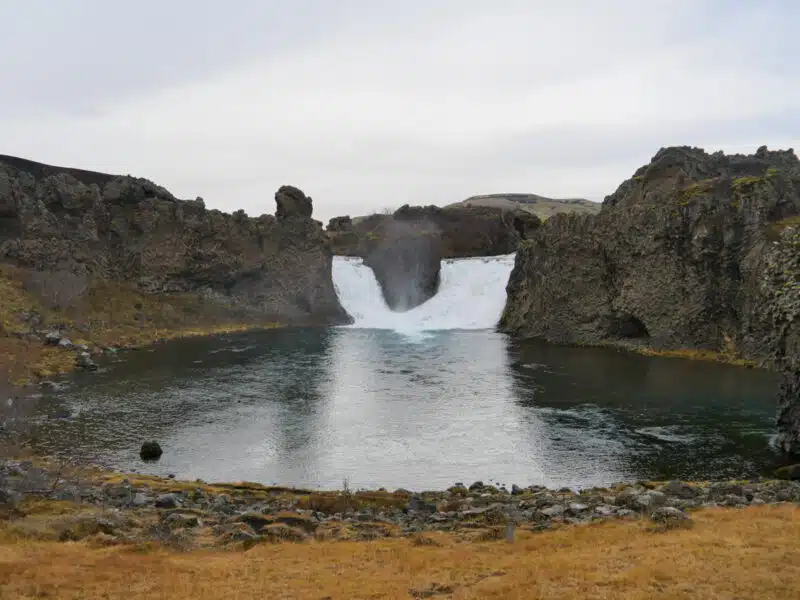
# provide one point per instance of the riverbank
(137, 536)
(46, 332)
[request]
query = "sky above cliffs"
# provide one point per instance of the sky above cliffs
(367, 105)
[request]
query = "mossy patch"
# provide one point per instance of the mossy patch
(698, 188)
(748, 182)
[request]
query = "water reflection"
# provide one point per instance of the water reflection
(316, 407)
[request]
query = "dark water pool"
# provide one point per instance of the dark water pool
(376, 408)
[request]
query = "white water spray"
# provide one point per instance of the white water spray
(471, 295)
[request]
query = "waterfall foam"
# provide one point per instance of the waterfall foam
(471, 295)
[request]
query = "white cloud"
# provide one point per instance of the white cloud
(435, 104)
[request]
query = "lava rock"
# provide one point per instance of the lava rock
(151, 451)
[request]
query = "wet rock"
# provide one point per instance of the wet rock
(150, 451)
(65, 344)
(84, 361)
(167, 501)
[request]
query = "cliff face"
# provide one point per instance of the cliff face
(695, 251)
(129, 229)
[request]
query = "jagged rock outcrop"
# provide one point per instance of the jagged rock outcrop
(130, 229)
(695, 251)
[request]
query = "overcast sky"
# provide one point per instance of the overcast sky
(370, 104)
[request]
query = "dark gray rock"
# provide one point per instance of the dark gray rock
(84, 361)
(167, 501)
(150, 451)
(292, 203)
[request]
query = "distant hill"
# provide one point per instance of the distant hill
(540, 206)
(42, 170)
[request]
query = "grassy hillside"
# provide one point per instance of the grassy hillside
(93, 313)
(540, 206)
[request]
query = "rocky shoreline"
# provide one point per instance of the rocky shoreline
(55, 503)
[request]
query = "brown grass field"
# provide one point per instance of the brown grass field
(728, 554)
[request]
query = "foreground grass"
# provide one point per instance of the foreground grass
(748, 553)
(105, 314)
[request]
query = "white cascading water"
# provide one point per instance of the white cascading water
(471, 295)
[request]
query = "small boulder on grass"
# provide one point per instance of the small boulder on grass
(150, 451)
(668, 517)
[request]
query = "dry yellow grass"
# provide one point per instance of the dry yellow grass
(750, 553)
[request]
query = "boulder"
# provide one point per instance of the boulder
(167, 501)
(150, 451)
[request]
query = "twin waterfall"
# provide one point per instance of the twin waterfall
(471, 295)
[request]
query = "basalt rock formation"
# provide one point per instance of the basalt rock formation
(130, 229)
(405, 249)
(463, 230)
(695, 251)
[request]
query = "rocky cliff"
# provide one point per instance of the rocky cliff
(108, 227)
(695, 251)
